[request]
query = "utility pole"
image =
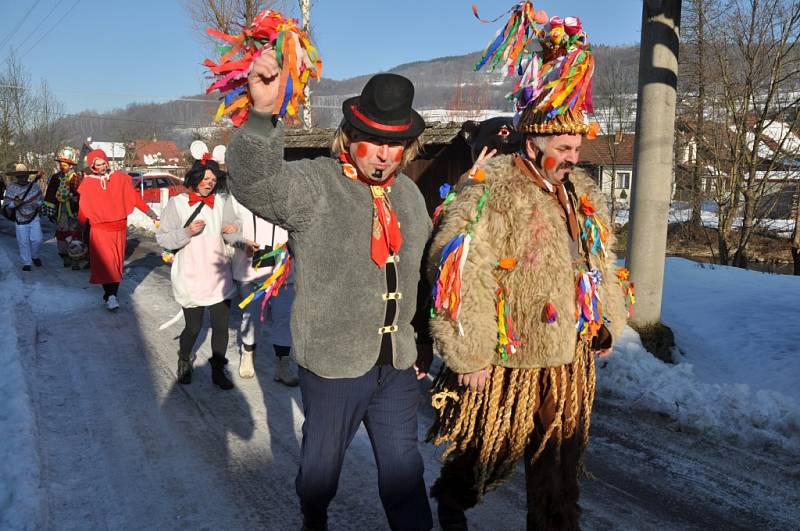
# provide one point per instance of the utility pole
(653, 155)
(305, 11)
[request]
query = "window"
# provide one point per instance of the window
(623, 180)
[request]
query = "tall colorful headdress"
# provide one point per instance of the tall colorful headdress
(554, 62)
(294, 51)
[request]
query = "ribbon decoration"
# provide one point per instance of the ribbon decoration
(589, 308)
(448, 193)
(507, 340)
(552, 58)
(623, 277)
(594, 232)
(449, 273)
(294, 51)
(272, 285)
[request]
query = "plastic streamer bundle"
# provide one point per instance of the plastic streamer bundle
(594, 231)
(447, 193)
(272, 285)
(589, 308)
(507, 340)
(294, 52)
(552, 58)
(623, 277)
(447, 286)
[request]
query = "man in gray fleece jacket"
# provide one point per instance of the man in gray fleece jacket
(357, 232)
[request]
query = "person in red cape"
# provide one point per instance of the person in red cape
(106, 200)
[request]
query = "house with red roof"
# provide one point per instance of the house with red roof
(609, 161)
(164, 155)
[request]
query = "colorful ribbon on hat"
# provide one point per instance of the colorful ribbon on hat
(558, 77)
(294, 51)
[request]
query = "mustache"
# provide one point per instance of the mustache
(566, 166)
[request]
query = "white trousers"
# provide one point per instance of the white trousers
(277, 315)
(29, 239)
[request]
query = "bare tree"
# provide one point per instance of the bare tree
(695, 78)
(28, 117)
(740, 68)
(795, 247)
(229, 16)
(755, 50)
(615, 110)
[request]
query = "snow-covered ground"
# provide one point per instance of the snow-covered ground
(680, 213)
(19, 470)
(735, 383)
(738, 364)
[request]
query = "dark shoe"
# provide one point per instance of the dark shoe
(67, 262)
(309, 525)
(75, 267)
(218, 375)
(87, 266)
(27, 268)
(37, 262)
(184, 371)
(451, 518)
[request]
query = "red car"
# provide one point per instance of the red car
(150, 184)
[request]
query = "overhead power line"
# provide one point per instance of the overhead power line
(39, 25)
(19, 24)
(49, 31)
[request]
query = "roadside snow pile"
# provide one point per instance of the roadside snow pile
(737, 374)
(141, 221)
(631, 376)
(19, 470)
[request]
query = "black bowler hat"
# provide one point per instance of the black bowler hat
(384, 108)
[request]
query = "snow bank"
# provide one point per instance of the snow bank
(736, 373)
(681, 212)
(141, 221)
(19, 469)
(631, 376)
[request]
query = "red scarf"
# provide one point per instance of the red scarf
(195, 198)
(386, 235)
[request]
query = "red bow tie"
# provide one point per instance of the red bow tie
(197, 198)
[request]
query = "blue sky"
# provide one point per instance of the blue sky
(103, 54)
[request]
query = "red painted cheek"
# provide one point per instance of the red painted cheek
(399, 155)
(361, 150)
(549, 163)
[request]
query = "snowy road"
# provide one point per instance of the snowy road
(120, 446)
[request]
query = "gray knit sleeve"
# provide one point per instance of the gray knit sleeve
(284, 193)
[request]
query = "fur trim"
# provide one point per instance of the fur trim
(520, 221)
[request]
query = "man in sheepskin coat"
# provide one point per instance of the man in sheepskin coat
(526, 293)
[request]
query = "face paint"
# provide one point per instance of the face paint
(399, 155)
(549, 163)
(361, 150)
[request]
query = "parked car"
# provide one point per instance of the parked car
(150, 184)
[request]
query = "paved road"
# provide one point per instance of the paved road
(121, 446)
